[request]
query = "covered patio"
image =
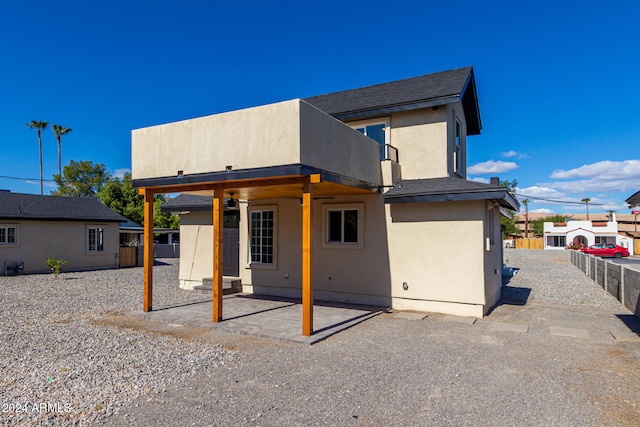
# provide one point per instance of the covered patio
(266, 317)
(289, 150)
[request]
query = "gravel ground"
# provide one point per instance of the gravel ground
(551, 284)
(54, 353)
(385, 371)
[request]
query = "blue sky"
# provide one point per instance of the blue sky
(557, 81)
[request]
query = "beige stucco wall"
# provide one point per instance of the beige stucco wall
(425, 140)
(196, 243)
(437, 249)
(67, 240)
(285, 133)
(493, 256)
(341, 273)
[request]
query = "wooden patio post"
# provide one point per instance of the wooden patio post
(307, 255)
(218, 218)
(148, 251)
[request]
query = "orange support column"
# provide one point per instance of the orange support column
(307, 255)
(148, 251)
(218, 231)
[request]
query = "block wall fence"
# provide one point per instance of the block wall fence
(621, 282)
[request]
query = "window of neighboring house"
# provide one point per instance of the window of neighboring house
(457, 154)
(95, 239)
(378, 132)
(556, 241)
(262, 235)
(343, 225)
(8, 235)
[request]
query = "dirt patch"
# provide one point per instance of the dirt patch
(232, 342)
(613, 387)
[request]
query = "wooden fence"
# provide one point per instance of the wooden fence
(532, 243)
(128, 256)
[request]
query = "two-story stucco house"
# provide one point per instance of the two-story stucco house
(357, 196)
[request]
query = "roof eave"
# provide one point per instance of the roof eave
(380, 111)
(503, 197)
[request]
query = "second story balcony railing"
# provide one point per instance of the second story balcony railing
(388, 152)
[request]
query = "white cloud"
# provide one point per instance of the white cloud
(482, 180)
(540, 192)
(47, 184)
(604, 170)
(543, 210)
(511, 153)
(119, 173)
(604, 176)
(491, 166)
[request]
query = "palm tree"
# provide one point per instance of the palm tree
(39, 126)
(586, 201)
(58, 132)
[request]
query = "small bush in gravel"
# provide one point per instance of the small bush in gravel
(55, 265)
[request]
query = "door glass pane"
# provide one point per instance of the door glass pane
(376, 132)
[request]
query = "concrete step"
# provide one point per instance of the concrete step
(230, 285)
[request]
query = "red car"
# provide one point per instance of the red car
(606, 249)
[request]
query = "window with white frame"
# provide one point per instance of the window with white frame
(556, 241)
(491, 225)
(262, 236)
(8, 235)
(457, 154)
(95, 239)
(343, 225)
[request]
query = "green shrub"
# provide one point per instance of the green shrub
(55, 265)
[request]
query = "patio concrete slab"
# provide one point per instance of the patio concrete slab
(509, 327)
(569, 332)
(266, 317)
(625, 336)
(459, 319)
(409, 316)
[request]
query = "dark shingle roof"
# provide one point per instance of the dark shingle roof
(188, 202)
(402, 95)
(449, 189)
(16, 206)
(634, 200)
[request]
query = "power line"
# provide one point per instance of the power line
(561, 201)
(53, 180)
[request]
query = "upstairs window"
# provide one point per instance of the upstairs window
(457, 154)
(8, 235)
(95, 239)
(378, 132)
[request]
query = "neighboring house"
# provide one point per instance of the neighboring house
(81, 231)
(584, 233)
(358, 196)
(627, 223)
(634, 200)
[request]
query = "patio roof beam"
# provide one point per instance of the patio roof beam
(208, 186)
